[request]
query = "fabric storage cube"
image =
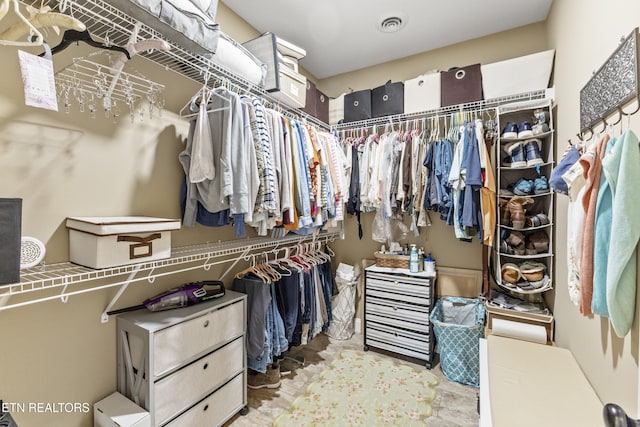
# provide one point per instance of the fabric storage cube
(422, 93)
(388, 99)
(272, 51)
(293, 88)
(357, 106)
(322, 106)
(461, 85)
(10, 236)
(102, 242)
(189, 23)
(336, 109)
(310, 102)
(116, 410)
(523, 74)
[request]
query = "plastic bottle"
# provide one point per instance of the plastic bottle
(421, 260)
(430, 264)
(413, 259)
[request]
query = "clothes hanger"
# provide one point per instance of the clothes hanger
(39, 18)
(35, 36)
(71, 36)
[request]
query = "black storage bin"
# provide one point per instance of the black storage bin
(388, 99)
(322, 106)
(461, 85)
(310, 103)
(357, 106)
(10, 240)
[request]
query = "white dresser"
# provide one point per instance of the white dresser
(397, 305)
(187, 366)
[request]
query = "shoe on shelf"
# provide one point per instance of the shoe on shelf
(258, 380)
(540, 185)
(523, 187)
(510, 273)
(510, 131)
(532, 149)
(516, 158)
(539, 128)
(524, 130)
(516, 207)
(532, 271)
(537, 220)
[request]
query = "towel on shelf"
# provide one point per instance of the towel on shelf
(623, 176)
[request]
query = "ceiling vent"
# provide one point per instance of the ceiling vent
(391, 24)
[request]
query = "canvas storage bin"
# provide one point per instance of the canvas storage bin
(422, 93)
(103, 242)
(388, 99)
(336, 109)
(461, 85)
(10, 240)
(523, 74)
(278, 55)
(357, 106)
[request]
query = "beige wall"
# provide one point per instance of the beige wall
(508, 44)
(584, 33)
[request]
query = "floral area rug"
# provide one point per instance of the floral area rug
(361, 389)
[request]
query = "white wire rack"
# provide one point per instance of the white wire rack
(39, 283)
(106, 22)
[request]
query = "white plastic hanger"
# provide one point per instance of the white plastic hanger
(39, 18)
(35, 36)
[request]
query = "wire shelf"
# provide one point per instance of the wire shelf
(65, 274)
(108, 23)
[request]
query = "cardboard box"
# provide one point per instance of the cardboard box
(458, 282)
(102, 242)
(116, 410)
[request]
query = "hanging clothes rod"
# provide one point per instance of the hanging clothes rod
(442, 111)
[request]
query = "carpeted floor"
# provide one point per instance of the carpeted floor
(454, 405)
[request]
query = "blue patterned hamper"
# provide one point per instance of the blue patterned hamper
(458, 324)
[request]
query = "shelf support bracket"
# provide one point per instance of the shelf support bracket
(104, 318)
(246, 251)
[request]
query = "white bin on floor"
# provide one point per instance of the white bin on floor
(343, 307)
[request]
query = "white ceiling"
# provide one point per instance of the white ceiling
(342, 35)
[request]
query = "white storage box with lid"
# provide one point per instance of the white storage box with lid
(102, 242)
(116, 410)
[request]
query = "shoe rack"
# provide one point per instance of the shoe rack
(521, 251)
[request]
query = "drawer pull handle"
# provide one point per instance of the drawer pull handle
(395, 282)
(206, 365)
(395, 308)
(206, 323)
(205, 407)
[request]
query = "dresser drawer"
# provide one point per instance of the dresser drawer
(216, 408)
(179, 390)
(421, 328)
(397, 337)
(400, 288)
(397, 278)
(175, 345)
(385, 290)
(397, 310)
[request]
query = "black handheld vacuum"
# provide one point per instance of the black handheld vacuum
(182, 296)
